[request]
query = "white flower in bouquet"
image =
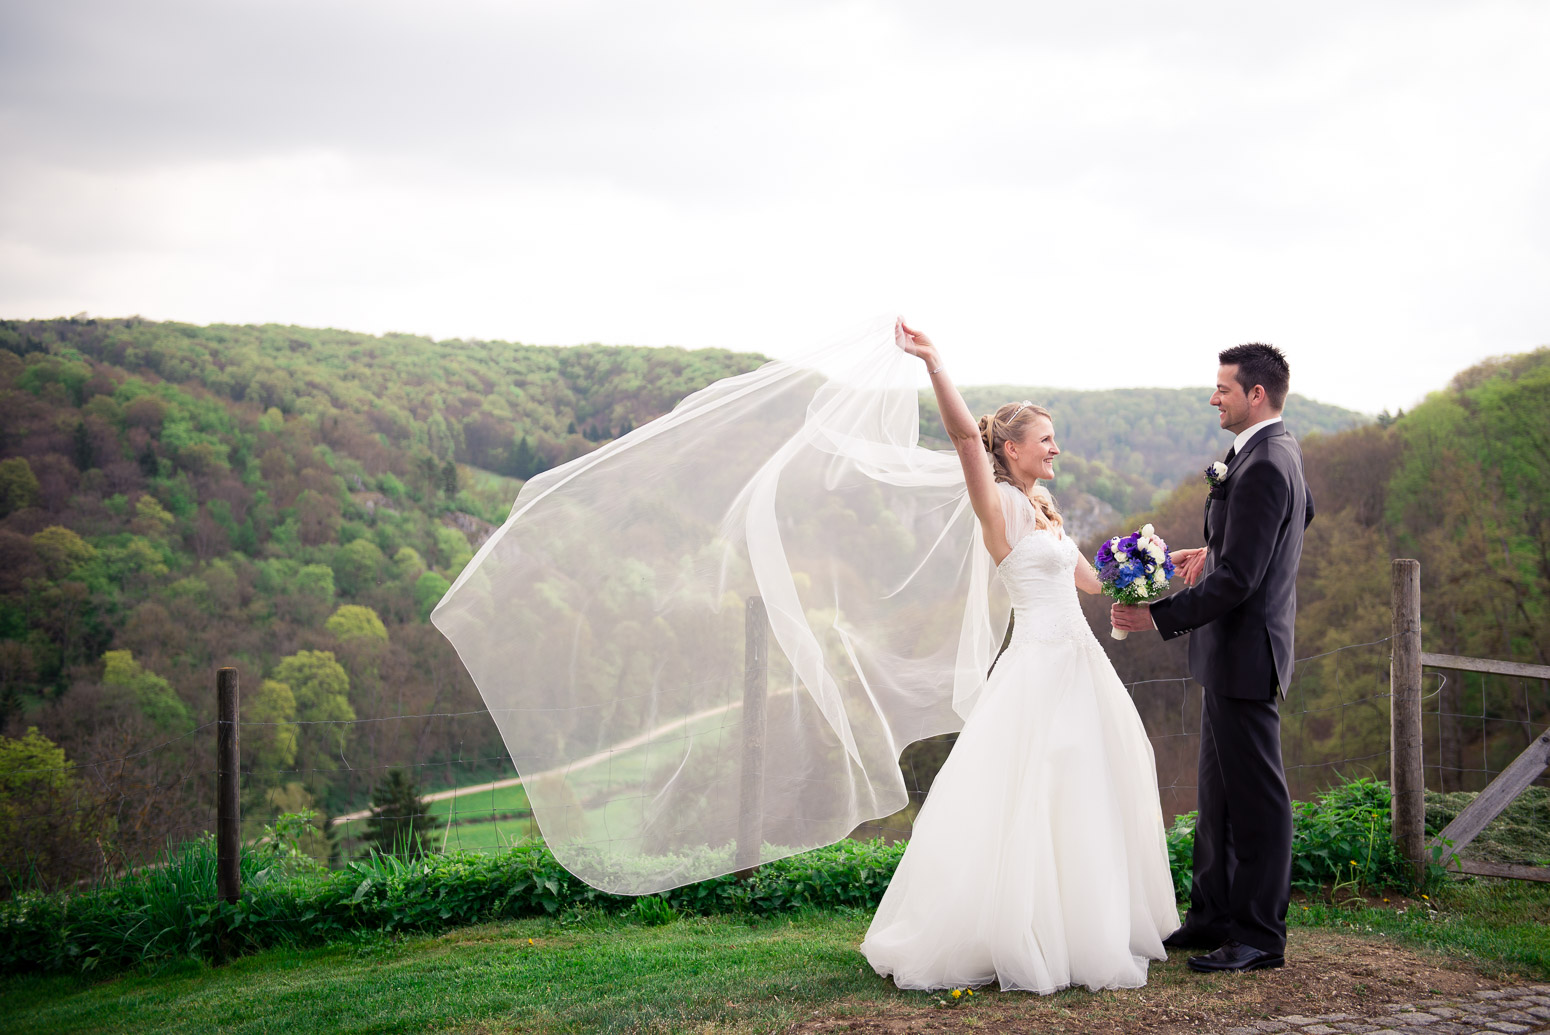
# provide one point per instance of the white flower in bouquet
(1133, 568)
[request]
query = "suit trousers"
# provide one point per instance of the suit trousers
(1243, 834)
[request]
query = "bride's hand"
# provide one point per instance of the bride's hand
(1189, 563)
(912, 341)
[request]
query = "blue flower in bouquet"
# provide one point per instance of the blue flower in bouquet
(1134, 568)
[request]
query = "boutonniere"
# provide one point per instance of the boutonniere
(1215, 473)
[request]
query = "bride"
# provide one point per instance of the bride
(1038, 860)
(706, 643)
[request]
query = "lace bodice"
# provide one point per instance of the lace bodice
(1040, 577)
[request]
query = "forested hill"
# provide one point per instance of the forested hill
(389, 401)
(294, 501)
(289, 501)
(1123, 445)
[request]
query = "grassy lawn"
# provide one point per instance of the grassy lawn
(1498, 924)
(596, 973)
(602, 974)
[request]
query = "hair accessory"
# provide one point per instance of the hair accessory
(1020, 408)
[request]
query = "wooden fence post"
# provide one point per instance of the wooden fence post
(750, 824)
(1406, 777)
(228, 820)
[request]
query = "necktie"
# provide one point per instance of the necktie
(1231, 452)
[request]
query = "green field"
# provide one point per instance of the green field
(594, 783)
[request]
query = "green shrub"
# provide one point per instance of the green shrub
(169, 910)
(1342, 836)
(1181, 853)
(1345, 835)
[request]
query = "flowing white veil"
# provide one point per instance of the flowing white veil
(611, 627)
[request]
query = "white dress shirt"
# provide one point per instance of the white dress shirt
(1248, 433)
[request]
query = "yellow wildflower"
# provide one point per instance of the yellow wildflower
(957, 992)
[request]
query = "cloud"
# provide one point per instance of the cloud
(1039, 185)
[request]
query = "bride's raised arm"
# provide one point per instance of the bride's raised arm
(964, 431)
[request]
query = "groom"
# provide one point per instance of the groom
(1241, 612)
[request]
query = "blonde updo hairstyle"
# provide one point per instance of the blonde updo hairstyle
(1009, 424)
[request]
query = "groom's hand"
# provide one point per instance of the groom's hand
(1131, 617)
(1189, 564)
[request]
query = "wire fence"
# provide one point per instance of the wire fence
(1335, 726)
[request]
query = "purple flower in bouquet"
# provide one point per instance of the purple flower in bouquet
(1134, 568)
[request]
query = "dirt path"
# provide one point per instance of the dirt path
(1332, 983)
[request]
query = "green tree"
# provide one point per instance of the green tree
(82, 451)
(311, 593)
(390, 486)
(357, 566)
(152, 519)
(407, 563)
(62, 550)
(272, 742)
(524, 459)
(317, 517)
(44, 814)
(400, 823)
(355, 622)
(454, 549)
(321, 689)
(428, 591)
(152, 694)
(18, 485)
(320, 685)
(449, 478)
(316, 581)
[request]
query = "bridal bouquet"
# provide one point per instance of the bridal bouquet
(1134, 569)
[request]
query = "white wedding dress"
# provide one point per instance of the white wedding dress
(1038, 860)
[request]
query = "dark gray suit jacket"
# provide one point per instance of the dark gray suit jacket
(1243, 610)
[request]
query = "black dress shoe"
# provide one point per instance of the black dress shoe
(1237, 956)
(1188, 938)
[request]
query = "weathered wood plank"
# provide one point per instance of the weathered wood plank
(1406, 777)
(228, 815)
(1509, 783)
(1512, 871)
(1500, 668)
(750, 823)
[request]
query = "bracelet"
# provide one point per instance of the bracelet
(938, 370)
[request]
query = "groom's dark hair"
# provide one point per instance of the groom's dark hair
(1260, 364)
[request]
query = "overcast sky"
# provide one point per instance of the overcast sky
(1085, 195)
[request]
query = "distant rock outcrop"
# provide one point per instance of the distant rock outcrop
(1087, 517)
(371, 502)
(476, 529)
